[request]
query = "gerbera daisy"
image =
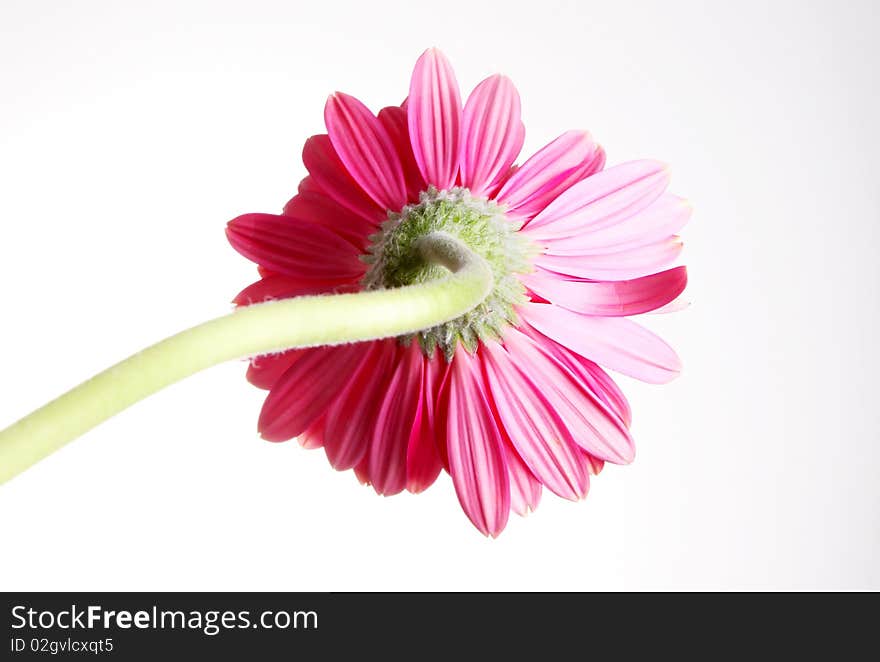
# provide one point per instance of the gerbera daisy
(508, 397)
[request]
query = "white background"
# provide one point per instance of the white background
(131, 132)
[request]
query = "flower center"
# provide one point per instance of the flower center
(481, 224)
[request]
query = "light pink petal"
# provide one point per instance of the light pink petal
(329, 174)
(476, 452)
(589, 423)
(660, 220)
(367, 151)
(422, 461)
(399, 411)
(672, 307)
(615, 342)
(434, 117)
(608, 298)
(621, 265)
(295, 248)
(321, 209)
(303, 392)
(393, 118)
(600, 201)
(351, 417)
(553, 169)
(493, 134)
(525, 489)
(533, 428)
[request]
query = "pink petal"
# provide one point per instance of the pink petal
(596, 465)
(493, 134)
(593, 378)
(434, 117)
(365, 148)
(476, 452)
(320, 209)
(533, 428)
(588, 422)
(327, 171)
(608, 298)
(615, 342)
(393, 118)
(351, 417)
(293, 247)
(304, 391)
(525, 489)
(620, 265)
(422, 461)
(399, 411)
(552, 170)
(606, 198)
(441, 411)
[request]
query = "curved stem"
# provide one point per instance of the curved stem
(258, 329)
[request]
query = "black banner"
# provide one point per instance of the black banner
(391, 626)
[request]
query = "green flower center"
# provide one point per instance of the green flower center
(481, 224)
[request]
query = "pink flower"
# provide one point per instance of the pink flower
(507, 399)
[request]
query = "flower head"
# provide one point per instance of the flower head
(510, 397)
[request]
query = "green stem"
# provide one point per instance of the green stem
(249, 331)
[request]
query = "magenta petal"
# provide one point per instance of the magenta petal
(279, 286)
(393, 118)
(493, 134)
(295, 248)
(367, 151)
(533, 428)
(589, 423)
(328, 172)
(606, 198)
(615, 342)
(476, 457)
(313, 436)
(302, 394)
(351, 417)
(321, 209)
(264, 371)
(549, 172)
(434, 116)
(398, 412)
(422, 460)
(608, 298)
